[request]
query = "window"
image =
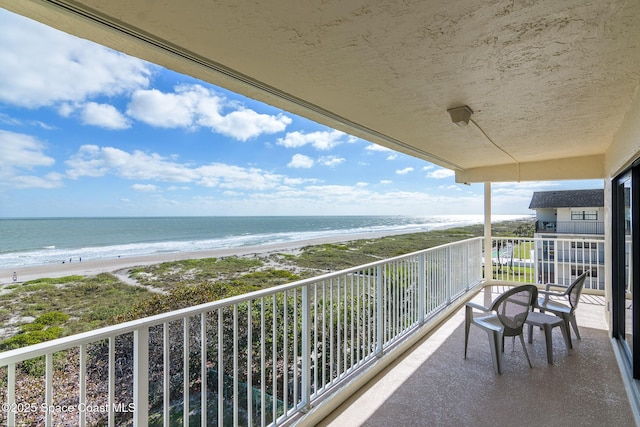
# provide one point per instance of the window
(584, 215)
(585, 245)
(575, 272)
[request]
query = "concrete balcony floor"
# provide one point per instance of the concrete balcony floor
(433, 385)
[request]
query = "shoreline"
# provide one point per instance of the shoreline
(95, 267)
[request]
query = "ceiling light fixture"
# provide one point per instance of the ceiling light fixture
(460, 116)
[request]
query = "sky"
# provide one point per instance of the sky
(88, 131)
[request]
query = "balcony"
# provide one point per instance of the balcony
(570, 227)
(294, 353)
(433, 385)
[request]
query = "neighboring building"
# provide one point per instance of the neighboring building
(569, 211)
(575, 215)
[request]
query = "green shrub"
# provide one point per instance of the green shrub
(30, 338)
(52, 318)
(30, 327)
(53, 281)
(38, 286)
(44, 328)
(267, 278)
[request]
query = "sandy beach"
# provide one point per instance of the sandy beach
(94, 267)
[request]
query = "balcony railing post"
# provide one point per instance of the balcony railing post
(422, 292)
(447, 268)
(48, 389)
(379, 309)
(82, 378)
(185, 370)
(141, 376)
(306, 348)
(11, 394)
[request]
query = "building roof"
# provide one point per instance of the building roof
(567, 199)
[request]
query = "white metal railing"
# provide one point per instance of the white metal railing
(254, 359)
(548, 260)
(571, 227)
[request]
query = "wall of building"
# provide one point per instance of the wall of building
(626, 142)
(564, 214)
(622, 152)
(546, 215)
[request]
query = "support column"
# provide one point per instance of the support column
(488, 276)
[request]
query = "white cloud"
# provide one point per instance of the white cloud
(66, 109)
(103, 115)
(165, 110)
(392, 156)
(404, 171)
(441, 173)
(299, 181)
(244, 124)
(6, 119)
(13, 121)
(346, 199)
(376, 147)
(50, 180)
(385, 181)
(320, 140)
(362, 184)
(331, 161)
(194, 106)
(235, 177)
(94, 161)
(336, 192)
(47, 67)
(21, 153)
(300, 161)
(144, 188)
(450, 187)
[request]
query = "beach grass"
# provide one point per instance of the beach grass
(90, 302)
(168, 275)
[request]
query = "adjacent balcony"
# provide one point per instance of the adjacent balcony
(296, 353)
(570, 227)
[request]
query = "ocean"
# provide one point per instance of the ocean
(39, 241)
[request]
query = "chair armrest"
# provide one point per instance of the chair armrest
(554, 285)
(478, 307)
(551, 293)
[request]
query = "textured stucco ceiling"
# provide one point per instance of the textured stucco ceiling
(549, 81)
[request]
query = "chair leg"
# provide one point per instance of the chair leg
(572, 319)
(496, 340)
(467, 325)
(548, 340)
(565, 335)
(525, 349)
(567, 327)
